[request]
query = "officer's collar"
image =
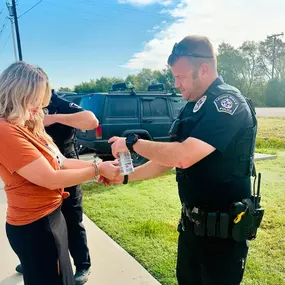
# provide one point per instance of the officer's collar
(218, 81)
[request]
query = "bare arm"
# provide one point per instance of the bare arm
(182, 155)
(84, 120)
(70, 163)
(41, 173)
(148, 170)
(172, 154)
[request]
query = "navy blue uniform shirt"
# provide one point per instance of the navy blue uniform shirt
(60, 133)
(223, 119)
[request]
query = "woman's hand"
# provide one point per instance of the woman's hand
(109, 169)
(117, 180)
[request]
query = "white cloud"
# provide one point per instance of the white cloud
(146, 2)
(154, 29)
(220, 20)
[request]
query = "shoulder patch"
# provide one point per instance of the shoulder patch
(73, 105)
(226, 103)
(199, 104)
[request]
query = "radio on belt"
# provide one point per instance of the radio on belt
(126, 163)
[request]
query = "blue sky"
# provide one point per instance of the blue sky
(76, 40)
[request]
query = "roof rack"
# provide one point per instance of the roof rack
(156, 87)
(119, 86)
(153, 89)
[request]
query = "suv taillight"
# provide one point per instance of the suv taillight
(99, 132)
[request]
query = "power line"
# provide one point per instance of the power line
(7, 40)
(5, 43)
(3, 28)
(30, 9)
(2, 11)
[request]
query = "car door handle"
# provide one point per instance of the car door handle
(147, 121)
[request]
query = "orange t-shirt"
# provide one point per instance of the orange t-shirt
(27, 202)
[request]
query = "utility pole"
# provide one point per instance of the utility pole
(14, 40)
(12, 28)
(274, 51)
(13, 14)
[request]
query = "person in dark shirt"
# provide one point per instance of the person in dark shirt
(212, 147)
(62, 118)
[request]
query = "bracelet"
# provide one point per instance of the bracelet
(96, 169)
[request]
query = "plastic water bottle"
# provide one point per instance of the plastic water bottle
(126, 163)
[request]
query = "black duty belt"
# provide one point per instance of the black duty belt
(211, 224)
(240, 223)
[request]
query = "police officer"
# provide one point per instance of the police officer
(212, 147)
(62, 118)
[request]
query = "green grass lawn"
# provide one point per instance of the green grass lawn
(142, 217)
(271, 127)
(270, 135)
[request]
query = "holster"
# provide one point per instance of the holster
(246, 227)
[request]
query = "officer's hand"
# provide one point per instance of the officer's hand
(119, 145)
(109, 169)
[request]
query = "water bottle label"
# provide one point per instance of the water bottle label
(126, 163)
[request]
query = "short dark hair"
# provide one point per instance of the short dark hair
(194, 47)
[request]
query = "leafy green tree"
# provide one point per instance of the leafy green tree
(230, 64)
(104, 84)
(86, 87)
(132, 81)
(64, 89)
(266, 50)
(275, 93)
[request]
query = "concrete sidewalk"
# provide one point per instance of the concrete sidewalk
(110, 263)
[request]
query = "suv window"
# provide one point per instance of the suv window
(177, 105)
(155, 108)
(97, 104)
(122, 107)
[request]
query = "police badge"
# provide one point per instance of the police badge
(199, 104)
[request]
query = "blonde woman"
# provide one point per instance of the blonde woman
(35, 175)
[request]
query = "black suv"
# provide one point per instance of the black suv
(122, 111)
(71, 96)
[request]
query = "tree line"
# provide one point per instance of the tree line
(256, 68)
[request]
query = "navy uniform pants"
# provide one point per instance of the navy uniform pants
(209, 261)
(73, 212)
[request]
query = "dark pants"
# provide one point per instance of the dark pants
(42, 248)
(209, 261)
(73, 213)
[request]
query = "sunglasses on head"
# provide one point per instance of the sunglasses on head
(179, 51)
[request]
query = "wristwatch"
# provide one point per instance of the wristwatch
(126, 179)
(131, 140)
